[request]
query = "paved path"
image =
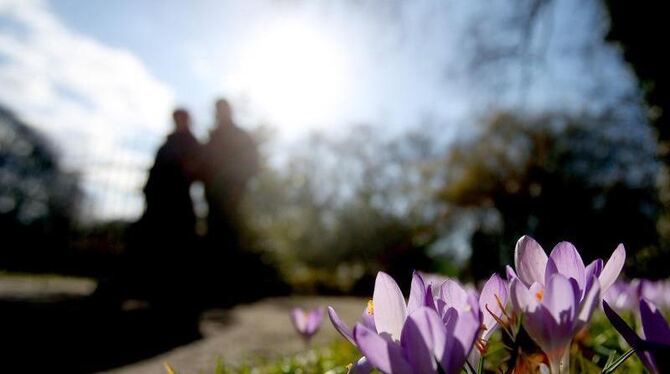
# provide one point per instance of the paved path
(43, 287)
(262, 329)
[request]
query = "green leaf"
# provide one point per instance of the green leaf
(612, 366)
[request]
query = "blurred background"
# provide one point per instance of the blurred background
(380, 135)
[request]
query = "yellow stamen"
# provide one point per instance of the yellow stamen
(539, 295)
(371, 307)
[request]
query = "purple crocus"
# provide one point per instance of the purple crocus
(532, 264)
(460, 312)
(652, 351)
(491, 301)
(422, 343)
(307, 323)
(552, 315)
(558, 294)
(417, 336)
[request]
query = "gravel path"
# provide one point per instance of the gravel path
(262, 329)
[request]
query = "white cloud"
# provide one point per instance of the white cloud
(100, 105)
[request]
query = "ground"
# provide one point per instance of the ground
(53, 319)
(258, 330)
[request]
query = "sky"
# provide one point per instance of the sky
(100, 78)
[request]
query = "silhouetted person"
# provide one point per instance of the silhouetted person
(163, 242)
(230, 159)
(167, 191)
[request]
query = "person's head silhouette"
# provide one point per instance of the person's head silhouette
(223, 112)
(182, 120)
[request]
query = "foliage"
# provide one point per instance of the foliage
(557, 177)
(38, 199)
(341, 208)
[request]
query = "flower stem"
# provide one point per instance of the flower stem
(560, 364)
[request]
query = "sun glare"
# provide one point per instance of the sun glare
(293, 74)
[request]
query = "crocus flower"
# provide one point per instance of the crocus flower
(307, 323)
(403, 334)
(428, 338)
(388, 298)
(552, 315)
(422, 343)
(652, 351)
(491, 301)
(532, 264)
(558, 294)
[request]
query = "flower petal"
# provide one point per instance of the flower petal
(550, 270)
(417, 293)
(519, 295)
(612, 268)
(631, 338)
(551, 325)
(622, 327)
(543, 329)
(340, 326)
(429, 301)
(368, 319)
(383, 354)
(314, 319)
(560, 299)
(390, 309)
(299, 319)
(589, 303)
(594, 268)
(468, 327)
(569, 262)
(511, 274)
(494, 294)
(530, 260)
(423, 339)
(654, 325)
(453, 294)
(462, 330)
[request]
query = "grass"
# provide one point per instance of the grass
(332, 359)
(590, 352)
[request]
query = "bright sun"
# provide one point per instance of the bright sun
(293, 75)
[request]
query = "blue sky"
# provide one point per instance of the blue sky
(101, 77)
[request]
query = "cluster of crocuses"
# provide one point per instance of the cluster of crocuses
(443, 328)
